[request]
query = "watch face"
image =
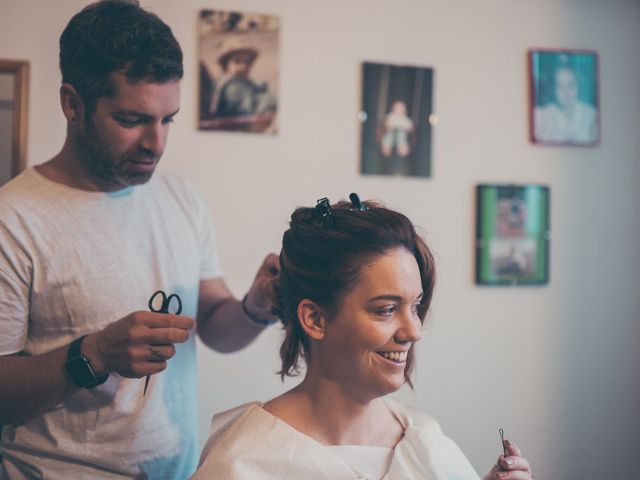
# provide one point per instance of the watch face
(80, 371)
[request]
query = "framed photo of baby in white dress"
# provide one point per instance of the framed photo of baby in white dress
(396, 120)
(564, 106)
(238, 62)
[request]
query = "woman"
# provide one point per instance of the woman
(354, 287)
(567, 119)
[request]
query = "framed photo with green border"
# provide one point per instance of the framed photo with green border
(512, 234)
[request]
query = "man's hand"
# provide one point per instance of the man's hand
(259, 302)
(137, 345)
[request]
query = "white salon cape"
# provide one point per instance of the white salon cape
(249, 443)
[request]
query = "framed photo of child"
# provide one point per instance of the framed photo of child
(564, 107)
(512, 234)
(396, 120)
(238, 64)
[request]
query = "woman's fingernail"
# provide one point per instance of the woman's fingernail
(508, 442)
(508, 461)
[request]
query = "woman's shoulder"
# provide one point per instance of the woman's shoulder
(414, 417)
(250, 442)
(425, 448)
(222, 420)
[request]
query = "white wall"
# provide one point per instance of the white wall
(555, 366)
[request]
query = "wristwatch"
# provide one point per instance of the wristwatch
(79, 367)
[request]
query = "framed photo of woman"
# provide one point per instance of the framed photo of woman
(564, 106)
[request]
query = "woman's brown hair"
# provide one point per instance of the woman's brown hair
(323, 252)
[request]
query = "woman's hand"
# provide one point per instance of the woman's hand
(511, 467)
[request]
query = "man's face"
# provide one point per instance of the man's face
(121, 143)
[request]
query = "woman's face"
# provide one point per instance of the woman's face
(566, 88)
(366, 343)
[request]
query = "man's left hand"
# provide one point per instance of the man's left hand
(259, 303)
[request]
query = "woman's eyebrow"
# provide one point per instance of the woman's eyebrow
(395, 298)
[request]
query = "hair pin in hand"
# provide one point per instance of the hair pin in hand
(323, 207)
(504, 447)
(356, 203)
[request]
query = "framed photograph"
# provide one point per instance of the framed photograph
(512, 235)
(14, 81)
(238, 64)
(396, 120)
(564, 106)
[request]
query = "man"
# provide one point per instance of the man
(85, 240)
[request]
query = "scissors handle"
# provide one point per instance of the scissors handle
(166, 303)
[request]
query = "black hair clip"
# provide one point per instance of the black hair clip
(356, 203)
(324, 209)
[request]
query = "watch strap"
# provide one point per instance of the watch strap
(74, 348)
(74, 352)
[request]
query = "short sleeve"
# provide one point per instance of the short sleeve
(16, 268)
(14, 288)
(193, 206)
(210, 265)
(209, 260)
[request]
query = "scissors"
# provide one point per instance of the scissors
(170, 304)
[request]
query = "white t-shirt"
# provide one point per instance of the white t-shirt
(73, 261)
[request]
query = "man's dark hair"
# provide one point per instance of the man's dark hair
(116, 36)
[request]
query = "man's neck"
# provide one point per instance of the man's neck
(67, 169)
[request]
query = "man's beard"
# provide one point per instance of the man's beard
(100, 163)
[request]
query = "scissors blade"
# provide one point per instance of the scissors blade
(146, 384)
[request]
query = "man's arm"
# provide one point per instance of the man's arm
(222, 322)
(131, 347)
(30, 385)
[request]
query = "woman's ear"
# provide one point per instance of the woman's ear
(71, 103)
(311, 319)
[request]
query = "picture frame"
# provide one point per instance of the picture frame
(238, 71)
(512, 234)
(564, 106)
(14, 84)
(396, 120)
